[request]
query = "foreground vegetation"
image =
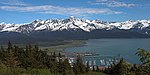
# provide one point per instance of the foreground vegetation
(54, 45)
(125, 68)
(31, 60)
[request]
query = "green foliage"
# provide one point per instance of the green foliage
(79, 67)
(87, 67)
(9, 58)
(94, 73)
(144, 56)
(122, 68)
(66, 67)
(32, 57)
(144, 68)
(22, 71)
(97, 69)
(31, 60)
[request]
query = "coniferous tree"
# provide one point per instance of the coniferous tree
(87, 67)
(93, 68)
(121, 68)
(10, 59)
(60, 64)
(66, 67)
(135, 70)
(53, 64)
(97, 69)
(76, 69)
(79, 67)
(2, 53)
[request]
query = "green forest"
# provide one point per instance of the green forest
(31, 60)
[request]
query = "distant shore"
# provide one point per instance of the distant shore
(62, 45)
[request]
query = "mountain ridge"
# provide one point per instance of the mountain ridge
(73, 23)
(72, 29)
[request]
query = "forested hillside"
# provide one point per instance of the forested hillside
(31, 60)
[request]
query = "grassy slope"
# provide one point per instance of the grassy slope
(21, 71)
(43, 72)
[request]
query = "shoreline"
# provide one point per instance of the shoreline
(62, 47)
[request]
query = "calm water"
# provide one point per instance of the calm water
(125, 47)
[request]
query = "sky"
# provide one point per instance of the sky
(25, 11)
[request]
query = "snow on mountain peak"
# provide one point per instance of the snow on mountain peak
(73, 23)
(71, 17)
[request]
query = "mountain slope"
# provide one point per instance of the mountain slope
(73, 23)
(74, 28)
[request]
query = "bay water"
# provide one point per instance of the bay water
(126, 48)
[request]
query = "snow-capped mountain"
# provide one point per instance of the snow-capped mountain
(72, 28)
(73, 23)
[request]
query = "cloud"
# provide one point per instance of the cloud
(49, 9)
(112, 3)
(14, 2)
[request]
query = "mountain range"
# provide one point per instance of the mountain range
(73, 28)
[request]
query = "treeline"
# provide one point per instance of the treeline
(125, 68)
(31, 57)
(31, 60)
